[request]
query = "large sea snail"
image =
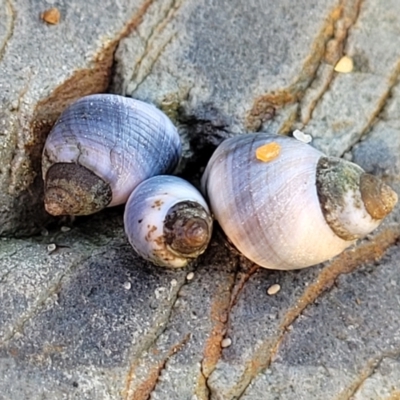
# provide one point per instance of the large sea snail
(101, 148)
(286, 205)
(167, 221)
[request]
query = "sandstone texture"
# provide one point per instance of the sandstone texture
(83, 317)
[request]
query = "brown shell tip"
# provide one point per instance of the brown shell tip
(187, 229)
(195, 234)
(379, 199)
(71, 189)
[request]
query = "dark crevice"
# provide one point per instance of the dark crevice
(204, 136)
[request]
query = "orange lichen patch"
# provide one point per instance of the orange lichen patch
(268, 152)
(51, 16)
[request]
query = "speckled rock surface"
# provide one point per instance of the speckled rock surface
(43, 68)
(90, 319)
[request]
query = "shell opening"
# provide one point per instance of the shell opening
(71, 189)
(187, 229)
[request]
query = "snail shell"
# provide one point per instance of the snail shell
(285, 205)
(101, 148)
(167, 221)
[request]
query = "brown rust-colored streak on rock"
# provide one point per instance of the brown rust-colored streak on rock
(293, 93)
(219, 316)
(349, 12)
(220, 308)
(260, 361)
(392, 82)
(263, 105)
(10, 28)
(343, 264)
(221, 305)
(366, 372)
(244, 276)
(144, 390)
(394, 395)
(346, 16)
(94, 79)
(151, 53)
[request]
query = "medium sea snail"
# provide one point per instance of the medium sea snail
(101, 147)
(167, 221)
(286, 205)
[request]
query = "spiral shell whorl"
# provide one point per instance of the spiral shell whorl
(187, 228)
(121, 140)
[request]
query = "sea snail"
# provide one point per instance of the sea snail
(167, 221)
(101, 148)
(286, 205)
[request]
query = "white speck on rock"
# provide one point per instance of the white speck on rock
(51, 247)
(190, 276)
(274, 289)
(301, 136)
(127, 285)
(226, 342)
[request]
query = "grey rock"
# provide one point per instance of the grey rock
(340, 356)
(239, 64)
(345, 112)
(89, 319)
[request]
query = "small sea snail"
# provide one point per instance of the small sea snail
(286, 205)
(167, 221)
(101, 148)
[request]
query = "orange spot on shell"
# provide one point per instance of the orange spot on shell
(268, 152)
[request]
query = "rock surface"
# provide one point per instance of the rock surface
(43, 68)
(88, 319)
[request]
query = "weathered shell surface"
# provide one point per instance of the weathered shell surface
(122, 140)
(160, 208)
(271, 210)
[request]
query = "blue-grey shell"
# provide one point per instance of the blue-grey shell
(122, 140)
